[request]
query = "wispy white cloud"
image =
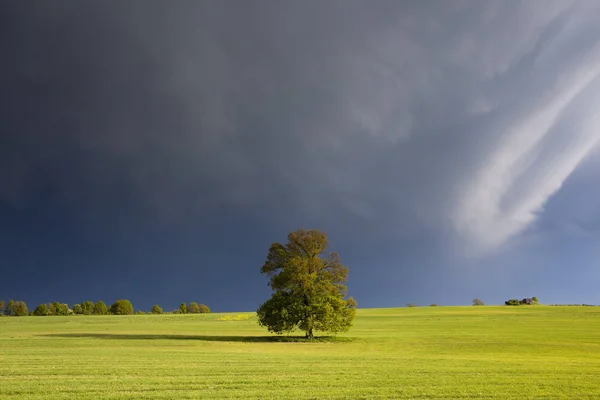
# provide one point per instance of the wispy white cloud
(537, 149)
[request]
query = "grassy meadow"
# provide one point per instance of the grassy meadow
(414, 353)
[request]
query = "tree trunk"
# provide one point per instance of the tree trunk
(309, 334)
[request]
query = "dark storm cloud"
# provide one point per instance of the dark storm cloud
(399, 118)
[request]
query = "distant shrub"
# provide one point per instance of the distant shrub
(139, 312)
(87, 308)
(19, 309)
(193, 308)
(203, 308)
(8, 309)
(512, 302)
(156, 309)
(57, 308)
(477, 302)
(121, 307)
(183, 308)
(411, 305)
(534, 298)
(1, 306)
(77, 309)
(16, 309)
(433, 305)
(100, 308)
(41, 310)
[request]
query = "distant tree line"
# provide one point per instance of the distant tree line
(14, 308)
(119, 307)
(192, 308)
(527, 301)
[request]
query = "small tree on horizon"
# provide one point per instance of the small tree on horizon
(193, 308)
(87, 307)
(1, 306)
(309, 291)
(156, 309)
(183, 308)
(477, 302)
(57, 308)
(19, 309)
(8, 309)
(203, 308)
(100, 308)
(77, 309)
(534, 298)
(121, 307)
(41, 310)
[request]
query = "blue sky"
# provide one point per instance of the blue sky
(448, 149)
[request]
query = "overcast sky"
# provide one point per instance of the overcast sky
(154, 150)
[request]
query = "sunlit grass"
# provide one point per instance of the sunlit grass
(234, 317)
(419, 352)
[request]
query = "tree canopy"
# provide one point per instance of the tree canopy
(121, 307)
(183, 308)
(156, 309)
(309, 291)
(41, 310)
(203, 308)
(193, 308)
(87, 307)
(8, 309)
(57, 308)
(100, 308)
(16, 309)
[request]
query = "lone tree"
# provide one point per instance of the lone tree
(477, 301)
(309, 287)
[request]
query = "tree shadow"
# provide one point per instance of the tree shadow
(204, 338)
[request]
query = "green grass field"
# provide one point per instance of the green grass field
(424, 352)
